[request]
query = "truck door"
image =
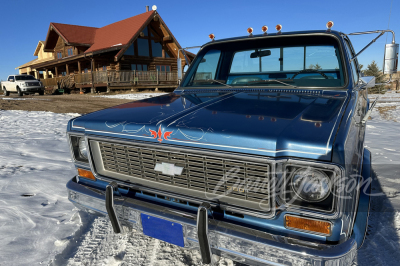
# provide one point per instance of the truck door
(11, 84)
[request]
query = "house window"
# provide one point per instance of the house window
(139, 67)
(143, 47)
(104, 67)
(63, 73)
(59, 55)
(156, 49)
(163, 68)
(70, 51)
(130, 50)
(145, 32)
(86, 70)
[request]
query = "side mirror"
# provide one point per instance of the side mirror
(11, 80)
(391, 58)
(179, 62)
(368, 81)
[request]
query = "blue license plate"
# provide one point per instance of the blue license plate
(162, 229)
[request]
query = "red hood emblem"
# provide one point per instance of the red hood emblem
(160, 135)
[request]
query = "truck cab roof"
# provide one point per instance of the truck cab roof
(291, 33)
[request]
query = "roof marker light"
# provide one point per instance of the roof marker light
(264, 29)
(329, 25)
(278, 28)
(211, 36)
(250, 31)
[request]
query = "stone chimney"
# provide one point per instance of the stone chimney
(147, 8)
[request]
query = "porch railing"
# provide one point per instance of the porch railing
(121, 78)
(51, 81)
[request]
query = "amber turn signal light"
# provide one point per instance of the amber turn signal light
(86, 174)
(310, 225)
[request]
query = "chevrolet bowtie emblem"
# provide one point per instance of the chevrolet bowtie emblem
(161, 135)
(168, 169)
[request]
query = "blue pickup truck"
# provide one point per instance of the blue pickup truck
(257, 156)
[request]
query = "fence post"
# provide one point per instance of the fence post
(157, 76)
(107, 82)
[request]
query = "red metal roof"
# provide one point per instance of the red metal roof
(119, 33)
(76, 34)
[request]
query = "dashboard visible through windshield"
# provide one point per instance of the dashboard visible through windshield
(306, 61)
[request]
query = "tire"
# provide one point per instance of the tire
(41, 92)
(19, 92)
(6, 93)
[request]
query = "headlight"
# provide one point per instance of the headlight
(310, 185)
(79, 149)
(82, 148)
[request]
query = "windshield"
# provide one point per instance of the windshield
(307, 61)
(24, 78)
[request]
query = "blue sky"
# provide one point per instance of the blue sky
(24, 23)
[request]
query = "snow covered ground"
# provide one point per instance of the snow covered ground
(382, 138)
(134, 96)
(23, 99)
(387, 97)
(39, 226)
(36, 218)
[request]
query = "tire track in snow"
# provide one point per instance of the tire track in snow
(100, 246)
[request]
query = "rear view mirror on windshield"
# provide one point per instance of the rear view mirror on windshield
(260, 54)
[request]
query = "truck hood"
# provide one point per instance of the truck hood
(276, 123)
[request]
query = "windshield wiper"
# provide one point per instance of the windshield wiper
(272, 80)
(219, 82)
(213, 80)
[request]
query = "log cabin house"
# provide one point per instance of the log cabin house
(135, 53)
(42, 56)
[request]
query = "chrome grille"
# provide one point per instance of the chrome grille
(250, 181)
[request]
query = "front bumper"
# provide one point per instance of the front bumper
(32, 89)
(228, 240)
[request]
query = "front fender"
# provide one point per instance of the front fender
(361, 222)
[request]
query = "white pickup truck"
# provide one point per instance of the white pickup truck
(22, 84)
